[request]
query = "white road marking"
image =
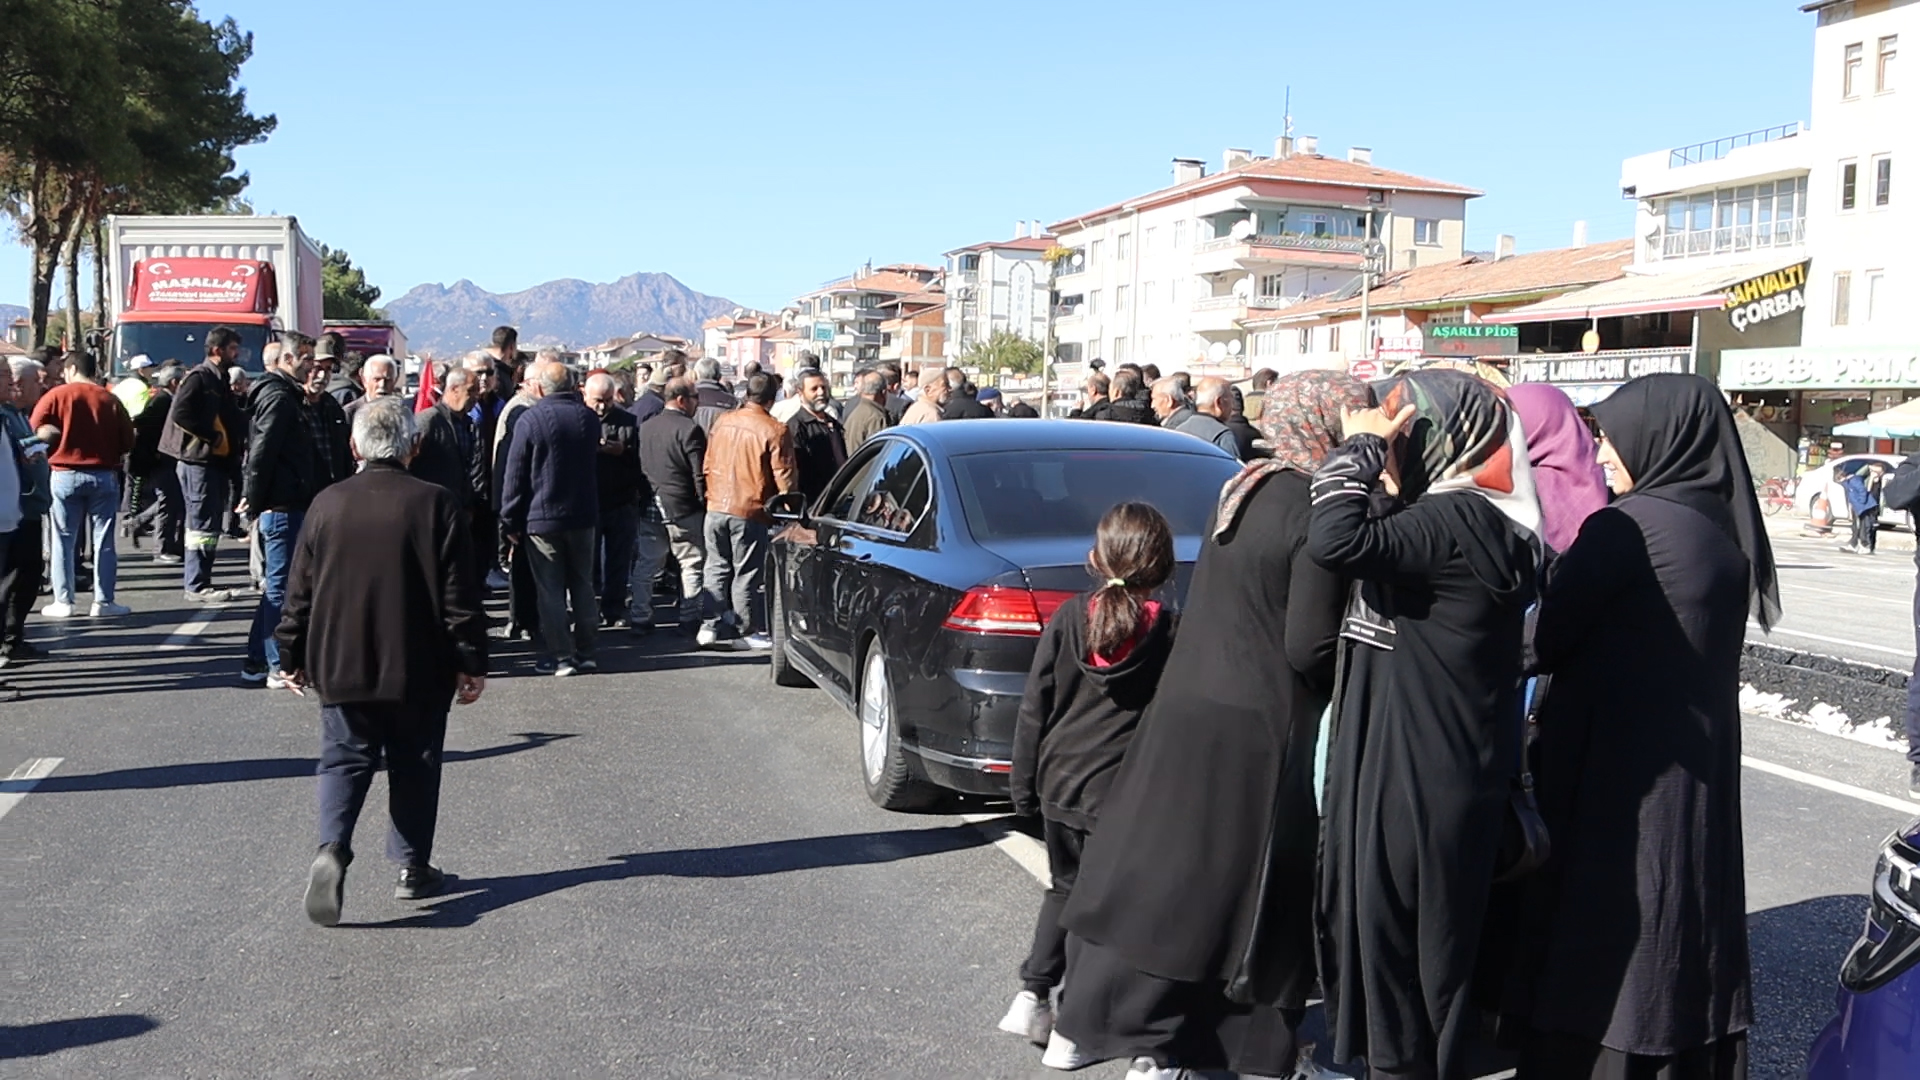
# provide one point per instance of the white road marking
(1837, 641)
(188, 633)
(1029, 853)
(25, 779)
(1891, 802)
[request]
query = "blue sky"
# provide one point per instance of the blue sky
(754, 150)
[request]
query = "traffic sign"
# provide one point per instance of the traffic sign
(1363, 370)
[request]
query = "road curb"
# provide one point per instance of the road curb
(1864, 692)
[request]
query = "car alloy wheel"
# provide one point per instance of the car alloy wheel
(876, 717)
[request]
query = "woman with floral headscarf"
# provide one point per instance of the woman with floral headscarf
(1426, 721)
(1192, 918)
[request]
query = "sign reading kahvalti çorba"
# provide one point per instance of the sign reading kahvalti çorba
(1769, 296)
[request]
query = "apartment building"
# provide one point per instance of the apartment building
(1172, 276)
(914, 330)
(840, 321)
(998, 286)
(716, 332)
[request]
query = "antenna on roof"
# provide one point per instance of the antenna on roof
(1287, 113)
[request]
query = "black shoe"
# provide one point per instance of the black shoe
(418, 883)
(253, 672)
(1913, 781)
(25, 650)
(587, 664)
(326, 883)
(616, 622)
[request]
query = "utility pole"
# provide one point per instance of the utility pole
(1366, 288)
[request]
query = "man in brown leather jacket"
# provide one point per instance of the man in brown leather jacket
(749, 461)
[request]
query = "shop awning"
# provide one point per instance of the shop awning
(1899, 422)
(1641, 294)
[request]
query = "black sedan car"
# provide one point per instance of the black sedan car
(914, 588)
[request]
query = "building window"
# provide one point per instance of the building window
(1426, 231)
(969, 263)
(1146, 239)
(1118, 354)
(1850, 70)
(1147, 294)
(1095, 250)
(1093, 301)
(1306, 339)
(1173, 292)
(1180, 234)
(1333, 338)
(1272, 286)
(1266, 343)
(1882, 180)
(1842, 298)
(1849, 184)
(1876, 291)
(1123, 247)
(1883, 65)
(1120, 298)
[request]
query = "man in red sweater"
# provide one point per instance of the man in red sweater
(90, 432)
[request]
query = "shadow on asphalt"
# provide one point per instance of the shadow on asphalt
(35, 1040)
(1797, 950)
(474, 897)
(233, 772)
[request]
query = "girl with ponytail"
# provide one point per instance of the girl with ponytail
(1095, 668)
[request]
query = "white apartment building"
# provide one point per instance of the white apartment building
(840, 321)
(998, 286)
(1170, 277)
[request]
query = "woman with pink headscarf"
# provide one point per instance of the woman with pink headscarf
(1566, 474)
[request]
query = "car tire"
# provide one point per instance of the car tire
(883, 761)
(779, 665)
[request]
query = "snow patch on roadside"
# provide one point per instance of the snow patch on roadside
(1822, 717)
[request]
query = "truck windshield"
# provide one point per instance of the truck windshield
(185, 343)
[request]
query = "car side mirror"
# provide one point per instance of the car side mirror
(788, 507)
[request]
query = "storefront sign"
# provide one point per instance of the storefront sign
(1473, 330)
(1478, 339)
(1769, 296)
(1572, 369)
(1364, 370)
(1830, 368)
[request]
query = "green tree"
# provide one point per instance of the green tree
(344, 292)
(1005, 350)
(114, 106)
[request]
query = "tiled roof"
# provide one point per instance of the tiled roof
(1018, 243)
(889, 281)
(1300, 168)
(1516, 277)
(1677, 290)
(8, 348)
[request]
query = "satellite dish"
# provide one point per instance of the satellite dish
(1233, 347)
(1243, 288)
(1241, 229)
(1079, 259)
(1217, 352)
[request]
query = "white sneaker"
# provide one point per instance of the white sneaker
(276, 681)
(1308, 1070)
(756, 642)
(108, 609)
(1145, 1068)
(57, 611)
(707, 636)
(1029, 1016)
(1063, 1055)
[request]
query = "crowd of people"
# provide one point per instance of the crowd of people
(1451, 719)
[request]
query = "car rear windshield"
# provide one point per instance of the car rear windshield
(1013, 495)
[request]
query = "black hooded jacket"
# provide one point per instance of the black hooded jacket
(1076, 719)
(281, 471)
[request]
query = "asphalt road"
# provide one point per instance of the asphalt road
(1857, 607)
(667, 869)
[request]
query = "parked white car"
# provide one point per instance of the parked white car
(1816, 481)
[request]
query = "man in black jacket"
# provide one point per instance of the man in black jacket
(673, 453)
(160, 512)
(1901, 491)
(281, 475)
(714, 397)
(963, 399)
(551, 503)
(819, 442)
(204, 433)
(450, 452)
(383, 619)
(623, 492)
(328, 424)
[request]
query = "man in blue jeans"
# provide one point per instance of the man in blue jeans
(282, 473)
(90, 432)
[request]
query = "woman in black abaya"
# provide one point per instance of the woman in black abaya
(1633, 962)
(1192, 918)
(1423, 742)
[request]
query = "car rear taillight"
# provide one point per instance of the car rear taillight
(1003, 609)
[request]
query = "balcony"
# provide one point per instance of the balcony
(1264, 249)
(1729, 161)
(1212, 314)
(1728, 239)
(1068, 311)
(1716, 149)
(852, 341)
(846, 313)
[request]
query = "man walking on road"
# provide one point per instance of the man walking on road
(551, 503)
(90, 433)
(23, 563)
(623, 492)
(203, 434)
(279, 478)
(749, 461)
(389, 643)
(819, 442)
(673, 453)
(523, 607)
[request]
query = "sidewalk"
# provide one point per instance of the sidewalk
(1791, 526)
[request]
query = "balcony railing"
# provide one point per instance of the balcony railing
(1719, 148)
(1694, 243)
(1346, 245)
(1068, 311)
(1223, 303)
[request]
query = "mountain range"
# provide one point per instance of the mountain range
(10, 312)
(449, 319)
